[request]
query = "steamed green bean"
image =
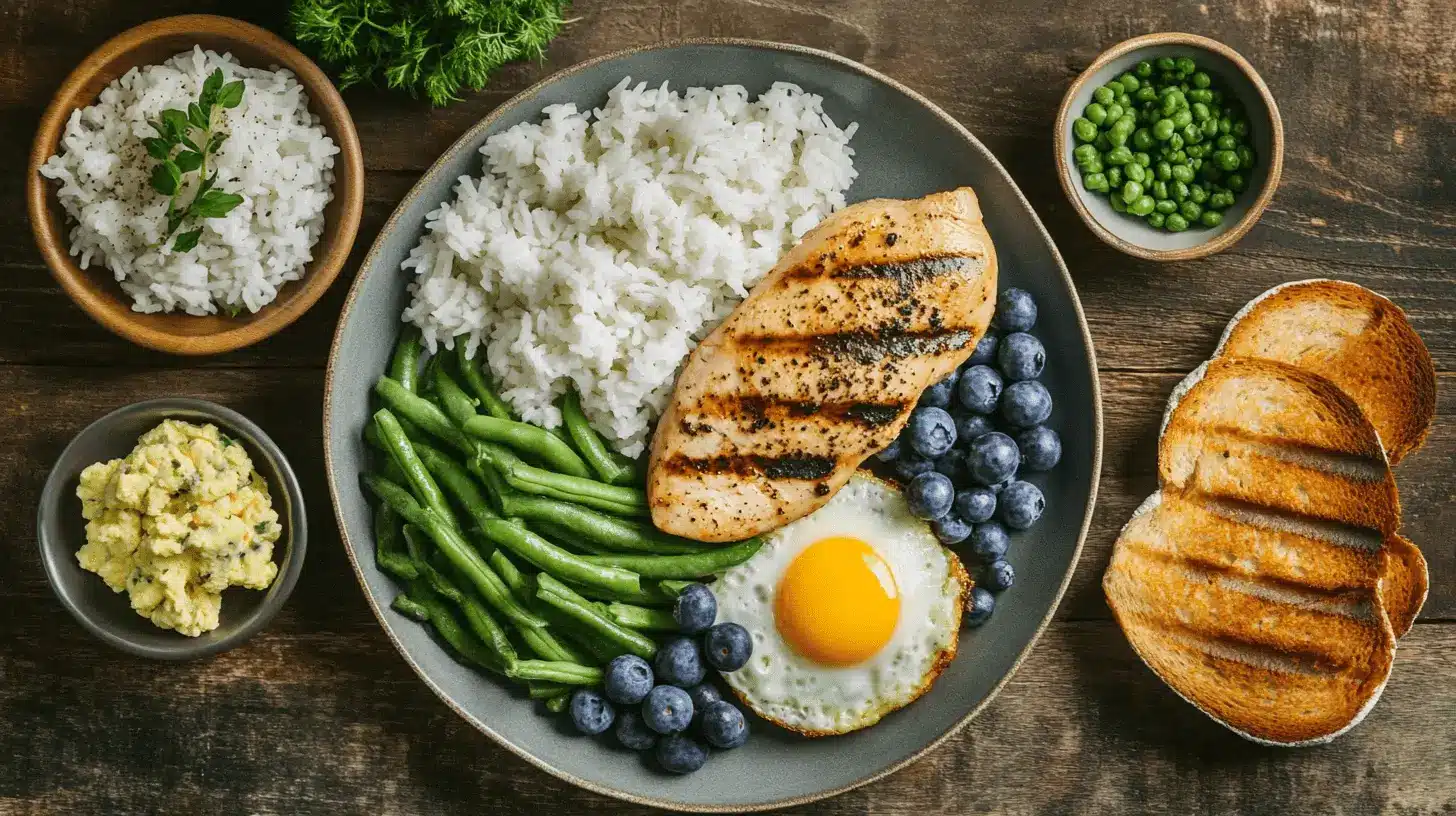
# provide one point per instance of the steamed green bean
(680, 566)
(475, 381)
(403, 453)
(592, 448)
(563, 598)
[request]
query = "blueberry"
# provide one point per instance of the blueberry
(985, 353)
(703, 695)
(952, 529)
(667, 709)
(632, 731)
(590, 712)
(911, 464)
(930, 495)
(1021, 357)
(952, 464)
(989, 542)
(940, 394)
(1021, 505)
(999, 576)
(695, 609)
(1041, 448)
(970, 426)
(992, 458)
(1015, 311)
(1026, 403)
(679, 663)
(727, 647)
(932, 431)
(681, 755)
(628, 679)
(979, 610)
(724, 726)
(977, 504)
(979, 389)
(890, 452)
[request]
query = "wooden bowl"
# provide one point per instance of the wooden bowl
(95, 289)
(1235, 76)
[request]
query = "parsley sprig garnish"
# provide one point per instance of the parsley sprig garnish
(194, 137)
(437, 47)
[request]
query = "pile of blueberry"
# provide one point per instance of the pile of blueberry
(670, 705)
(970, 438)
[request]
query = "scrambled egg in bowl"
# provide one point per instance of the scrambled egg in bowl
(181, 518)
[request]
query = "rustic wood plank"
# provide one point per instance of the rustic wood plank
(319, 715)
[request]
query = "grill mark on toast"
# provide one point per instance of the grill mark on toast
(866, 346)
(1356, 603)
(1236, 648)
(765, 411)
(806, 467)
(1348, 536)
(1337, 463)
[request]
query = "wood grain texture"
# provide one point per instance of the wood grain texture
(319, 715)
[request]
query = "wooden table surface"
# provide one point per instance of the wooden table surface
(320, 715)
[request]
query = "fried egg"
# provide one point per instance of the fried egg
(854, 610)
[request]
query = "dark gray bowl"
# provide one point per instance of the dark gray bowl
(905, 147)
(108, 614)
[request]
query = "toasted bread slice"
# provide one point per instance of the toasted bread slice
(1353, 337)
(1277, 437)
(1275, 629)
(1404, 583)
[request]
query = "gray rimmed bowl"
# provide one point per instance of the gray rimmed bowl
(905, 147)
(1236, 76)
(109, 615)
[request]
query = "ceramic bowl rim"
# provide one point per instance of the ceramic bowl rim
(470, 135)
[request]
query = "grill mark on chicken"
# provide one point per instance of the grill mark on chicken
(799, 466)
(867, 346)
(765, 411)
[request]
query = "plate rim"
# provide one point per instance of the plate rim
(486, 122)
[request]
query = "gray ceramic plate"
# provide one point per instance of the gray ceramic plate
(905, 147)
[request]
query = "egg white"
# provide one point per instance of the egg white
(797, 693)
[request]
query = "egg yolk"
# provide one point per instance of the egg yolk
(837, 603)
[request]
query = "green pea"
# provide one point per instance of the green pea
(1197, 151)
(1118, 134)
(1226, 159)
(1180, 76)
(1162, 129)
(1166, 64)
(1131, 191)
(1175, 141)
(1114, 176)
(1195, 162)
(1155, 220)
(1241, 129)
(1191, 210)
(1114, 87)
(1118, 156)
(1135, 172)
(1199, 112)
(1142, 206)
(1186, 65)
(1095, 182)
(1111, 113)
(1166, 205)
(1197, 193)
(1169, 105)
(1191, 134)
(1084, 153)
(1163, 171)
(1129, 82)
(1117, 205)
(1182, 119)
(1209, 127)
(1200, 95)
(1104, 95)
(1246, 157)
(1124, 99)
(1175, 223)
(1145, 94)
(1142, 139)
(1092, 165)
(1083, 129)
(1143, 159)
(1216, 202)
(1225, 125)
(1178, 191)
(1236, 182)
(1201, 79)
(1144, 69)
(1179, 156)
(1182, 172)
(1159, 189)
(1095, 113)
(1210, 218)
(1226, 142)
(1101, 143)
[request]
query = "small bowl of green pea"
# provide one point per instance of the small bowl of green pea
(1169, 146)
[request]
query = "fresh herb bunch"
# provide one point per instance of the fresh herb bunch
(436, 47)
(193, 134)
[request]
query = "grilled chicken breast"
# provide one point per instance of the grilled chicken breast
(821, 364)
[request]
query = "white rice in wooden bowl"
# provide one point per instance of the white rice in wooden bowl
(277, 157)
(599, 247)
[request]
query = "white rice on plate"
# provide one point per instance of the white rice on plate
(599, 247)
(277, 157)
